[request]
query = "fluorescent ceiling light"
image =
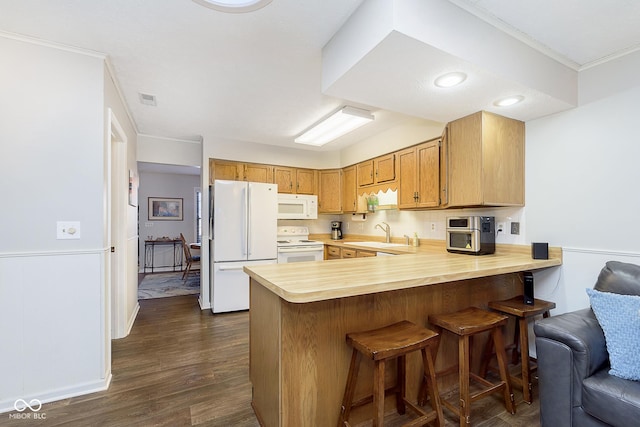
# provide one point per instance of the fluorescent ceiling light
(511, 100)
(339, 123)
(234, 6)
(450, 79)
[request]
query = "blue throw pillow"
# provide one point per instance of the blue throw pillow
(619, 317)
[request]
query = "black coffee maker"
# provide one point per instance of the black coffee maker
(336, 230)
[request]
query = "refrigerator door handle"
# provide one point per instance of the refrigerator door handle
(248, 219)
(244, 225)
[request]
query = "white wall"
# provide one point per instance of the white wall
(166, 185)
(154, 149)
(582, 174)
(404, 135)
(53, 310)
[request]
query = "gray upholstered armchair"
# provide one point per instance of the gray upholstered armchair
(575, 386)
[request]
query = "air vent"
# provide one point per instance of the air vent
(147, 99)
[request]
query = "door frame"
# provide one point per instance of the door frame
(117, 194)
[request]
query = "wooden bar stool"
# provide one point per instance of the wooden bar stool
(465, 324)
(380, 345)
(523, 312)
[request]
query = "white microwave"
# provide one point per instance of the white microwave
(297, 206)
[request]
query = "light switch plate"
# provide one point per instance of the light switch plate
(67, 230)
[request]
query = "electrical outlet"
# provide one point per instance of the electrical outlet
(433, 226)
(515, 228)
(500, 227)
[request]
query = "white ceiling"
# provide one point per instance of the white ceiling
(259, 76)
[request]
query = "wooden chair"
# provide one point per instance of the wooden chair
(191, 260)
(383, 344)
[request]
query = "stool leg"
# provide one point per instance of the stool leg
(378, 393)
(524, 352)
(401, 387)
(496, 333)
(349, 388)
(486, 358)
(463, 370)
(432, 385)
(516, 342)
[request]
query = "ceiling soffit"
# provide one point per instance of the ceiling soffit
(389, 52)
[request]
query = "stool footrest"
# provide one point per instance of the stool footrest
(368, 399)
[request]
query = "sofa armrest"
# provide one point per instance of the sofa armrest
(570, 347)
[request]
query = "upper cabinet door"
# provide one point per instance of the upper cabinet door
(222, 169)
(258, 173)
(283, 176)
(385, 168)
(428, 158)
(408, 176)
(349, 190)
(365, 173)
(305, 181)
(330, 191)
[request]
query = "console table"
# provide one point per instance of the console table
(150, 249)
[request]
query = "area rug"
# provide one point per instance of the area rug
(161, 285)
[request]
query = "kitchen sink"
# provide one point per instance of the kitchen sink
(377, 244)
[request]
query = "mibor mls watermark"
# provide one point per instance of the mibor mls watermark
(28, 410)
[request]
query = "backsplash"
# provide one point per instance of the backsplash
(430, 224)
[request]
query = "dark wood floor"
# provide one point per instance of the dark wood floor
(181, 366)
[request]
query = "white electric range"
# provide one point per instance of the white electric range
(294, 245)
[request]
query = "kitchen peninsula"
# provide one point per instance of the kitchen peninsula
(301, 312)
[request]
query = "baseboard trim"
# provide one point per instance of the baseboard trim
(204, 305)
(7, 405)
(132, 319)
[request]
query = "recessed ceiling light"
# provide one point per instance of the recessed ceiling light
(511, 100)
(450, 79)
(234, 6)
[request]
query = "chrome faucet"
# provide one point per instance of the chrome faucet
(387, 231)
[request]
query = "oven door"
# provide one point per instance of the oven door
(300, 254)
(463, 241)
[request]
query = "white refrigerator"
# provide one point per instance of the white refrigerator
(244, 232)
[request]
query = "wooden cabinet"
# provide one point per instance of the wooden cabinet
(349, 253)
(239, 171)
(332, 252)
(222, 169)
(364, 254)
(330, 191)
(376, 171)
(419, 176)
(306, 181)
(337, 252)
(478, 161)
(349, 190)
(485, 165)
(295, 180)
(257, 173)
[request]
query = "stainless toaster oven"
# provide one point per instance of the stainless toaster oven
(473, 235)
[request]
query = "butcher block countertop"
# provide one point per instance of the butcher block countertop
(428, 264)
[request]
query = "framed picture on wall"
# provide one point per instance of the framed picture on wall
(165, 209)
